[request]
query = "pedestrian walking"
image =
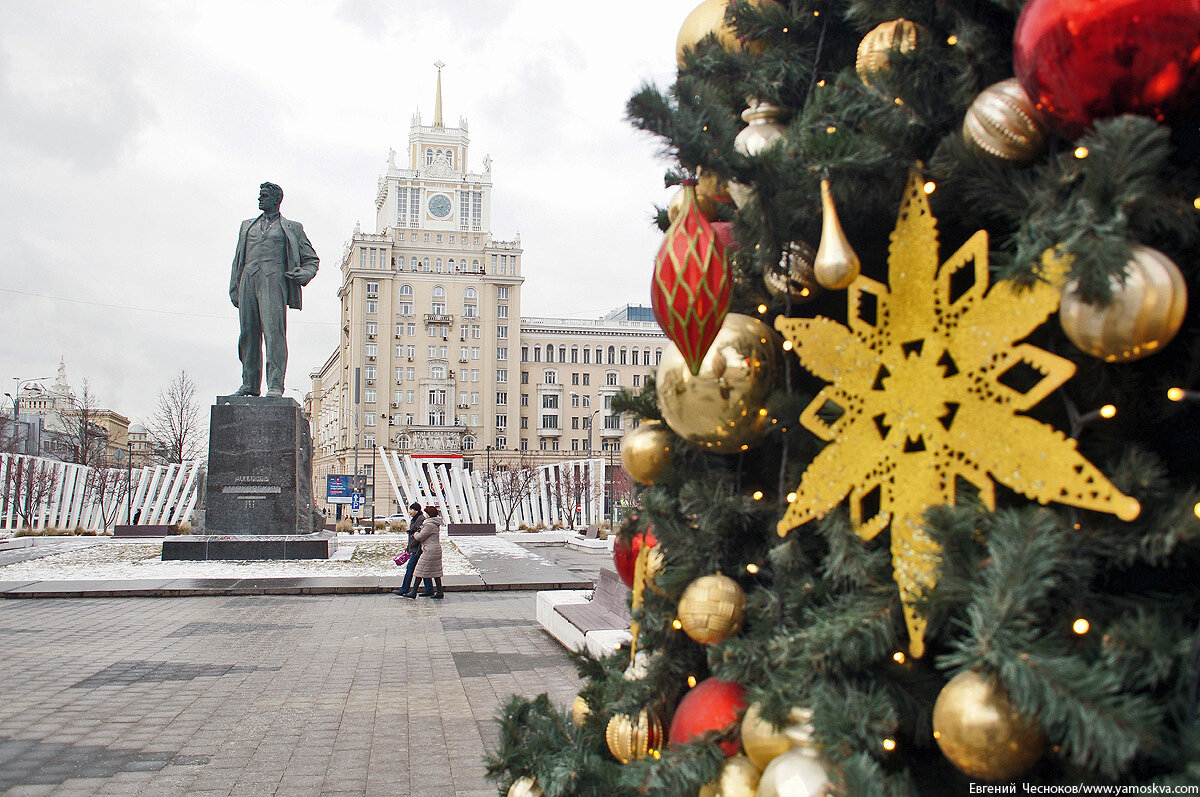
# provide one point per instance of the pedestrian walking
(415, 519)
(429, 569)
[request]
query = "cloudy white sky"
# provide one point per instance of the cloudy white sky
(134, 134)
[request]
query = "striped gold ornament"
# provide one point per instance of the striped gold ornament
(1004, 123)
(630, 738)
(874, 51)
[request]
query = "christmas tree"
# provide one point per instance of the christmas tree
(920, 504)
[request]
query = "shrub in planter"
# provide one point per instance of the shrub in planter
(344, 526)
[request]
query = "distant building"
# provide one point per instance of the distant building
(56, 409)
(434, 356)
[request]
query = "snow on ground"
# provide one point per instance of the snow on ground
(123, 560)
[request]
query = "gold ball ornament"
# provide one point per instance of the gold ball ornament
(875, 49)
(1143, 317)
(738, 778)
(723, 407)
(980, 732)
(629, 738)
(763, 130)
(709, 17)
(712, 609)
(712, 193)
(794, 276)
(761, 740)
(579, 710)
(1004, 123)
(795, 773)
(524, 787)
(645, 451)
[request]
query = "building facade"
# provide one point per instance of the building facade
(434, 356)
(55, 417)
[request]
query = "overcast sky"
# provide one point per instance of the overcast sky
(134, 134)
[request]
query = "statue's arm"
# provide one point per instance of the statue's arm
(308, 258)
(235, 274)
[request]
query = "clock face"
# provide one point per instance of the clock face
(439, 206)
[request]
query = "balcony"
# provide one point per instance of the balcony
(550, 432)
(437, 318)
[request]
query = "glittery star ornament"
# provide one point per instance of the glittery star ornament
(691, 288)
(919, 376)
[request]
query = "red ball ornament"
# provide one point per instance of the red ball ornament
(712, 706)
(625, 553)
(691, 287)
(1082, 60)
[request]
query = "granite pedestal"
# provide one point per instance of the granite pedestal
(258, 491)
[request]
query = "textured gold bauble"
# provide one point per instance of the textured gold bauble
(981, 733)
(794, 275)
(1144, 315)
(579, 710)
(712, 609)
(712, 193)
(874, 51)
(630, 738)
(761, 740)
(524, 787)
(722, 408)
(738, 778)
(836, 264)
(645, 451)
(709, 17)
(1003, 122)
(796, 773)
(763, 130)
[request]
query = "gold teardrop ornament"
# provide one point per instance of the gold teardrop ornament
(836, 265)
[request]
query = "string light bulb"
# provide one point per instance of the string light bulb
(1108, 411)
(929, 187)
(898, 657)
(831, 129)
(677, 624)
(758, 495)
(787, 345)
(1081, 152)
(1196, 510)
(691, 681)
(791, 498)
(752, 568)
(1176, 394)
(951, 40)
(889, 744)
(1196, 203)
(1081, 626)
(762, 308)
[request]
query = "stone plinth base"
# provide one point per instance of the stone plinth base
(249, 546)
(259, 468)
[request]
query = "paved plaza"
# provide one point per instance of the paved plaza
(267, 694)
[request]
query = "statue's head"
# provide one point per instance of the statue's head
(270, 196)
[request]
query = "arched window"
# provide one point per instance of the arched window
(468, 443)
(537, 354)
(562, 354)
(470, 293)
(624, 356)
(413, 263)
(428, 156)
(406, 290)
(587, 356)
(450, 157)
(574, 354)
(646, 356)
(439, 292)
(612, 355)
(438, 154)
(549, 354)
(635, 354)
(425, 264)
(658, 356)
(475, 265)
(437, 265)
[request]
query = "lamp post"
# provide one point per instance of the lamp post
(128, 479)
(487, 485)
(16, 394)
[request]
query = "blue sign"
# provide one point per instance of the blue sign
(338, 489)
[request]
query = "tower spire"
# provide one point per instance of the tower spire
(437, 101)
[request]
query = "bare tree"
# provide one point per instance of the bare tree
(85, 439)
(511, 482)
(176, 428)
(10, 438)
(107, 487)
(28, 484)
(574, 487)
(622, 487)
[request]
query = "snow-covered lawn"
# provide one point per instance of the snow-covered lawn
(121, 559)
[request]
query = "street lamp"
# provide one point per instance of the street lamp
(128, 480)
(487, 485)
(16, 394)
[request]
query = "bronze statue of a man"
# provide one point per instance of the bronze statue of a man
(274, 259)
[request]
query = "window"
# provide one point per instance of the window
(587, 380)
(634, 354)
(524, 399)
(574, 399)
(574, 355)
(402, 207)
(464, 210)
(369, 440)
(474, 352)
(550, 377)
(404, 308)
(658, 356)
(501, 374)
(369, 372)
(437, 308)
(624, 356)
(372, 328)
(537, 354)
(549, 421)
(494, 260)
(398, 396)
(524, 377)
(372, 306)
(501, 352)
(502, 311)
(502, 292)
(442, 352)
(476, 210)
(462, 352)
(373, 287)
(542, 444)
(474, 374)
(587, 356)
(587, 401)
(429, 156)
(637, 380)
(549, 354)
(612, 355)
(524, 423)
(372, 350)
(524, 443)
(399, 374)
(612, 421)
(474, 399)
(501, 421)
(575, 378)
(437, 372)
(410, 396)
(575, 423)
(562, 354)
(369, 419)
(369, 395)
(550, 401)
(501, 398)
(437, 397)
(502, 331)
(437, 262)
(475, 332)
(410, 374)
(412, 329)
(362, 258)
(411, 351)
(432, 351)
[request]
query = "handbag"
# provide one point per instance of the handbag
(402, 559)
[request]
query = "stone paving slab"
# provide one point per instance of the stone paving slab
(266, 695)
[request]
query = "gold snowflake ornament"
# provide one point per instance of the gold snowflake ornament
(930, 380)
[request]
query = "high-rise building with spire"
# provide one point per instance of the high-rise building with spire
(429, 358)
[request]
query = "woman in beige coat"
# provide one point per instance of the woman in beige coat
(429, 565)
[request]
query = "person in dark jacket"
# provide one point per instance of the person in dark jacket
(430, 568)
(416, 518)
